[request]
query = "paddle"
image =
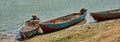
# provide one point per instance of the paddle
(18, 31)
(20, 26)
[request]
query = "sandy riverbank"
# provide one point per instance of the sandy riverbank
(106, 31)
(7, 39)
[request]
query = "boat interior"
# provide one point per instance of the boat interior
(63, 19)
(111, 11)
(27, 28)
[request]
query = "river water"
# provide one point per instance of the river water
(14, 12)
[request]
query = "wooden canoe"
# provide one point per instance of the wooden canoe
(54, 25)
(106, 15)
(63, 22)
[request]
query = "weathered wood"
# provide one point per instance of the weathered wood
(106, 15)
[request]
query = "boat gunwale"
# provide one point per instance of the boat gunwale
(29, 30)
(106, 11)
(80, 17)
(59, 18)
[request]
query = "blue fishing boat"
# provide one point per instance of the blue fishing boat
(62, 22)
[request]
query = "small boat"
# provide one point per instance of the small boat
(106, 15)
(52, 25)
